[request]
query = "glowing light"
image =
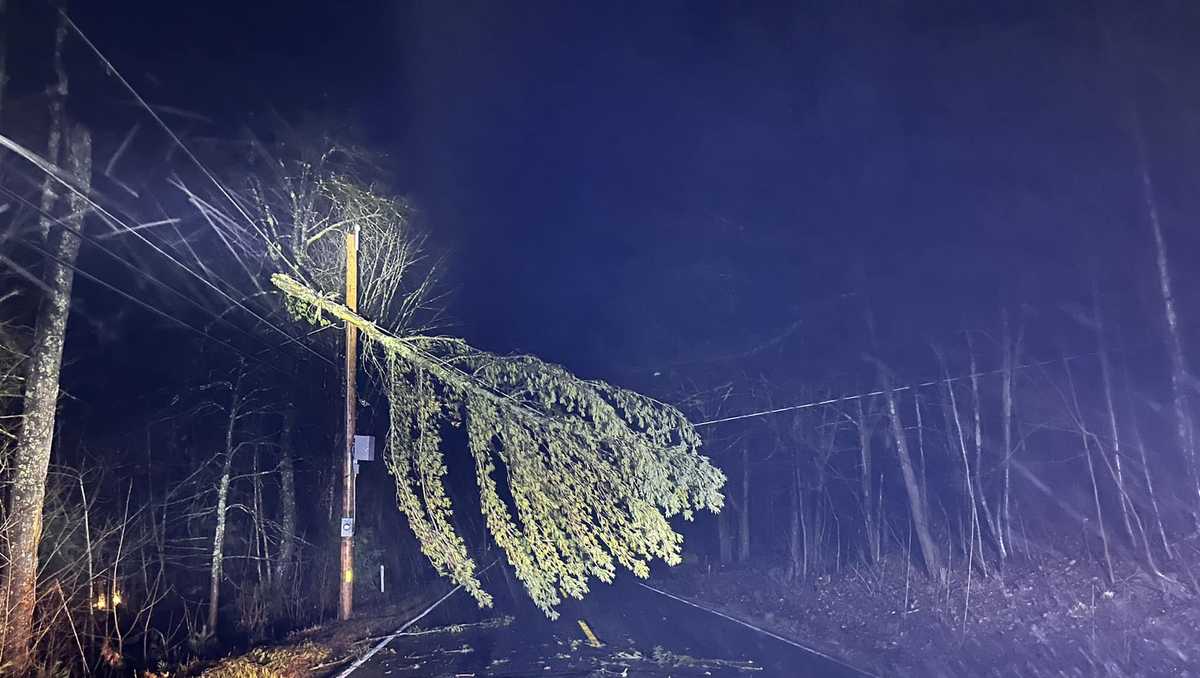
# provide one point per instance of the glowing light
(103, 600)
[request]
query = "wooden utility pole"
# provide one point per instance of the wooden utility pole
(346, 597)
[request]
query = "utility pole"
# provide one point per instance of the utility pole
(346, 594)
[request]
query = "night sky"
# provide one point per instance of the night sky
(624, 188)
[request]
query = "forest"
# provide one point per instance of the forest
(899, 370)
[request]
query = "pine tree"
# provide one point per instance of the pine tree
(594, 471)
(575, 477)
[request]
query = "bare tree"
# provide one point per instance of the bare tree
(1086, 437)
(3, 53)
(976, 533)
(917, 507)
(242, 404)
(977, 439)
(1010, 349)
(813, 442)
(1184, 426)
(725, 537)
(1148, 477)
(58, 101)
(744, 507)
(1185, 431)
(708, 404)
(863, 420)
(31, 458)
(1110, 408)
(287, 499)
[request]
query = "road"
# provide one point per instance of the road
(643, 634)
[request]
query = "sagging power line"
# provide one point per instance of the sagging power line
(67, 181)
(149, 307)
(132, 267)
(871, 394)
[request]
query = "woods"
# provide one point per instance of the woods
(928, 384)
(575, 477)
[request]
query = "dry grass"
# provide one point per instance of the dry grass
(272, 662)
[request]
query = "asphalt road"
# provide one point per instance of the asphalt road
(643, 634)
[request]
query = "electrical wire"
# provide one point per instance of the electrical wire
(68, 182)
(60, 221)
(871, 394)
(229, 197)
(150, 307)
(383, 643)
(757, 629)
(112, 70)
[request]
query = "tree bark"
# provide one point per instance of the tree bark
(262, 548)
(1111, 407)
(1011, 355)
(31, 458)
(58, 99)
(218, 552)
(724, 538)
(3, 54)
(1184, 427)
(287, 502)
(921, 450)
(862, 423)
(796, 552)
(977, 439)
(1084, 436)
(1149, 478)
(744, 514)
(967, 475)
(920, 513)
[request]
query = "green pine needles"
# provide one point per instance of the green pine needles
(591, 472)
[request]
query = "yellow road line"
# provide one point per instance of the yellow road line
(587, 631)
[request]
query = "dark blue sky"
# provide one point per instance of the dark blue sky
(626, 185)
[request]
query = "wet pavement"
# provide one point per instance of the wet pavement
(643, 634)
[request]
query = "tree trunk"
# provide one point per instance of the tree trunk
(796, 552)
(725, 537)
(262, 548)
(1085, 435)
(31, 458)
(1149, 478)
(977, 439)
(218, 552)
(1111, 407)
(58, 98)
(868, 504)
(3, 54)
(1011, 355)
(920, 513)
(962, 446)
(1184, 427)
(744, 514)
(921, 451)
(287, 502)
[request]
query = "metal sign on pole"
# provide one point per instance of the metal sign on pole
(364, 448)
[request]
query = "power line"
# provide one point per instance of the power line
(908, 387)
(191, 156)
(178, 142)
(112, 69)
(60, 221)
(67, 181)
(150, 307)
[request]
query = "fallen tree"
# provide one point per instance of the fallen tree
(594, 471)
